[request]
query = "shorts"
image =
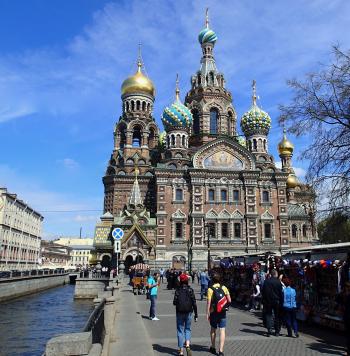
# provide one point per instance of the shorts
(217, 320)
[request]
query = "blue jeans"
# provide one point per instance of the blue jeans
(183, 325)
(152, 309)
(204, 290)
(291, 320)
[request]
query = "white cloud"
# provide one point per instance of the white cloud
(7, 113)
(69, 163)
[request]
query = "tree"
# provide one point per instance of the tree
(335, 228)
(320, 107)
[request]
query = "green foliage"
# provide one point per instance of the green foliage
(335, 228)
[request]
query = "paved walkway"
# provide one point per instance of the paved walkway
(245, 333)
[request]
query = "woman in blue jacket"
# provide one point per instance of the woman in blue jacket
(290, 308)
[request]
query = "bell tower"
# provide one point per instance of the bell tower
(209, 101)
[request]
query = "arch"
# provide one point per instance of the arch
(168, 141)
(214, 117)
(172, 140)
(199, 78)
(260, 145)
(255, 146)
(136, 136)
(110, 171)
(304, 230)
(196, 123)
(183, 143)
(106, 261)
(172, 166)
(130, 161)
(138, 105)
(294, 231)
(229, 123)
(178, 155)
(141, 161)
(143, 106)
(148, 107)
(132, 105)
(212, 78)
(265, 145)
(127, 106)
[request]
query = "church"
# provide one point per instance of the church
(198, 185)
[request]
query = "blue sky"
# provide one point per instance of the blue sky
(62, 63)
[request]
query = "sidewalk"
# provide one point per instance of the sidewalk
(245, 333)
(131, 337)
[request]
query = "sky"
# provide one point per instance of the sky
(62, 63)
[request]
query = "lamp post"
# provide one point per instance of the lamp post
(207, 230)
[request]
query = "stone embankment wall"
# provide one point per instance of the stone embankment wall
(89, 288)
(17, 287)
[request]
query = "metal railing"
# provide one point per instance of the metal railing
(30, 273)
(95, 323)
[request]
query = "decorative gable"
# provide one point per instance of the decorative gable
(267, 216)
(237, 215)
(178, 215)
(211, 214)
(224, 214)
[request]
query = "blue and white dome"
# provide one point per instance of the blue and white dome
(207, 36)
(177, 115)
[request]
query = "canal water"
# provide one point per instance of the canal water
(27, 323)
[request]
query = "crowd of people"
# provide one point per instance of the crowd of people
(271, 291)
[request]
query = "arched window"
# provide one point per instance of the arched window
(265, 196)
(168, 141)
(138, 105)
(237, 230)
(132, 105)
(183, 140)
(127, 106)
(211, 195)
(148, 107)
(179, 194)
(267, 231)
(224, 230)
(264, 145)
(304, 230)
(143, 106)
(294, 231)
(214, 121)
(229, 123)
(173, 140)
(211, 78)
(255, 145)
(136, 137)
(122, 136)
(196, 124)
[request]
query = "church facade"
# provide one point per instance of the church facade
(199, 180)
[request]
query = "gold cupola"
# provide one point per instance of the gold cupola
(138, 83)
(292, 180)
(285, 147)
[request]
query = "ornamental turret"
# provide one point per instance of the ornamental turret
(177, 121)
(256, 125)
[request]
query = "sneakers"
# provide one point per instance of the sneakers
(188, 351)
(155, 319)
(220, 353)
(212, 350)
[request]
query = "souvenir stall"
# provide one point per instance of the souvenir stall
(318, 287)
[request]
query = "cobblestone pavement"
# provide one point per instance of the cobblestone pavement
(245, 334)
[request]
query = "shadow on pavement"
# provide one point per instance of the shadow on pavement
(326, 348)
(252, 325)
(164, 349)
(256, 332)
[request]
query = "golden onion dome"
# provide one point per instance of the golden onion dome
(285, 147)
(292, 181)
(138, 83)
(92, 258)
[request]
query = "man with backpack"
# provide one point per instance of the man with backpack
(185, 302)
(218, 302)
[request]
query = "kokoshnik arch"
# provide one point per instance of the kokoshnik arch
(172, 191)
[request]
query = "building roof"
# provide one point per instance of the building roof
(296, 210)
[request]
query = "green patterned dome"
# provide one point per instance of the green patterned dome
(241, 140)
(255, 121)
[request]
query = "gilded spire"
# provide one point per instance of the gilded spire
(139, 59)
(254, 97)
(207, 17)
(285, 147)
(177, 89)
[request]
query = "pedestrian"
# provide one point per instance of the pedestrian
(161, 275)
(198, 276)
(152, 282)
(254, 302)
(204, 278)
(218, 301)
(272, 295)
(193, 275)
(347, 316)
(290, 308)
(185, 302)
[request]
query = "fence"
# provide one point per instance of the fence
(95, 323)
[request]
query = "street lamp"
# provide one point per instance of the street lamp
(208, 232)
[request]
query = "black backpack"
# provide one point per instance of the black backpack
(184, 300)
(219, 301)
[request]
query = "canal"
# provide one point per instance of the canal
(27, 323)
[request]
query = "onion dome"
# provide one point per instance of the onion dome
(292, 180)
(92, 258)
(255, 121)
(207, 35)
(285, 147)
(177, 115)
(138, 83)
(242, 141)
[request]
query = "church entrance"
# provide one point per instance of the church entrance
(132, 260)
(106, 262)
